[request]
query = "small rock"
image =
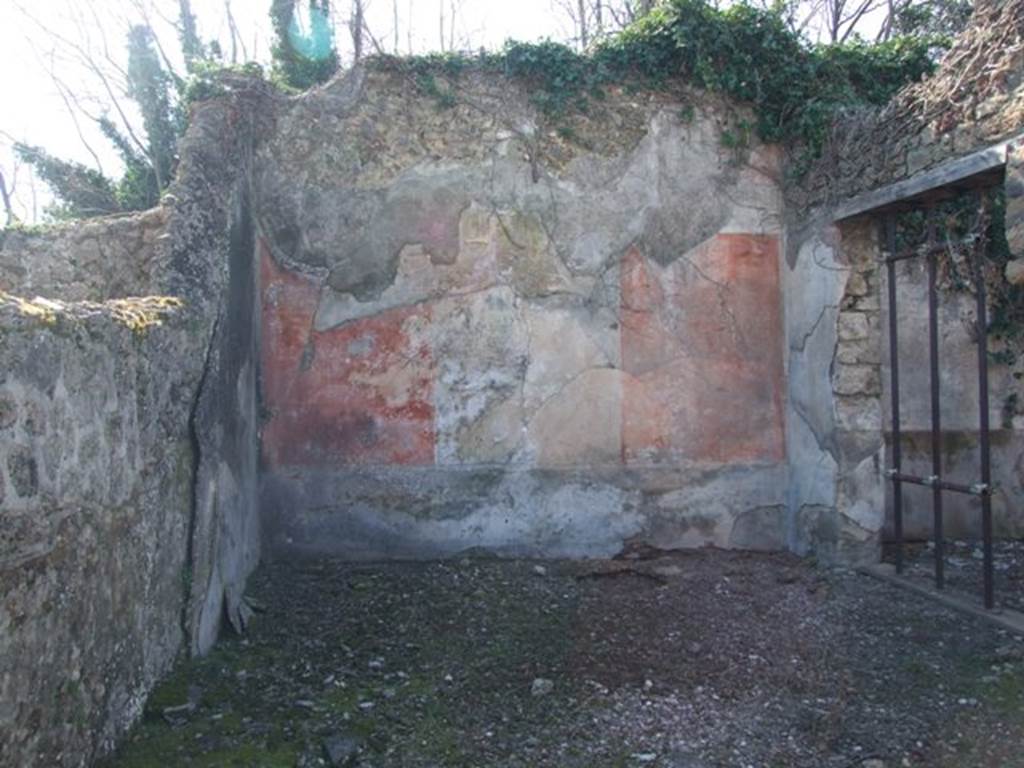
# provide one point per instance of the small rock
(542, 687)
(540, 570)
(667, 571)
(1015, 272)
(179, 712)
(1010, 653)
(341, 751)
(873, 763)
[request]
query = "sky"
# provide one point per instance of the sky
(40, 36)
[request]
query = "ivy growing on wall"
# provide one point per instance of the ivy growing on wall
(962, 226)
(747, 53)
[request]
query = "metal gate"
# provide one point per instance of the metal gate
(978, 245)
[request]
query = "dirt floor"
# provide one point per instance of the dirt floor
(964, 569)
(687, 660)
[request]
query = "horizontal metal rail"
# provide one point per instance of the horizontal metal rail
(978, 489)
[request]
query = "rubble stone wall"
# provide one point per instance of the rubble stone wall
(127, 451)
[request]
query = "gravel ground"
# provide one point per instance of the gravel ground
(687, 660)
(964, 569)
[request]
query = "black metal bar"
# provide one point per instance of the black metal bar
(986, 466)
(894, 369)
(933, 337)
(928, 250)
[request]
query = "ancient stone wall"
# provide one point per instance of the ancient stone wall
(480, 332)
(127, 450)
(972, 102)
(839, 378)
(95, 466)
(91, 260)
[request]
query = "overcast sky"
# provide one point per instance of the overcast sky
(32, 108)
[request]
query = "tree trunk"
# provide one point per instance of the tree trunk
(440, 25)
(582, 23)
(395, 34)
(356, 30)
(11, 218)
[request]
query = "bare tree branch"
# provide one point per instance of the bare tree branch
(6, 196)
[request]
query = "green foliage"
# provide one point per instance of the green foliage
(149, 160)
(302, 58)
(1006, 301)
(747, 53)
(958, 222)
(208, 80)
(933, 17)
(150, 87)
(80, 190)
(137, 188)
(191, 46)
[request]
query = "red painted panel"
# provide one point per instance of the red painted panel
(358, 394)
(702, 350)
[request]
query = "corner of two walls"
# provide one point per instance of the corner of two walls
(224, 540)
(835, 446)
(128, 438)
(211, 235)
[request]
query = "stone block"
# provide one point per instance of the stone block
(856, 380)
(1015, 272)
(854, 326)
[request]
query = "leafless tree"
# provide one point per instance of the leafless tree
(440, 22)
(590, 20)
(5, 194)
(842, 17)
(237, 41)
(394, 21)
(356, 27)
(449, 38)
(94, 59)
(578, 13)
(9, 176)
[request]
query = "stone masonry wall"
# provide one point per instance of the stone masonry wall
(835, 445)
(92, 260)
(480, 332)
(95, 465)
(835, 291)
(127, 449)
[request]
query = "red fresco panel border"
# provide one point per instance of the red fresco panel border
(360, 394)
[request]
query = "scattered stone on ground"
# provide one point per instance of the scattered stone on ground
(724, 659)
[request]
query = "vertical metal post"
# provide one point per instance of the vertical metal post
(933, 336)
(986, 467)
(894, 369)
